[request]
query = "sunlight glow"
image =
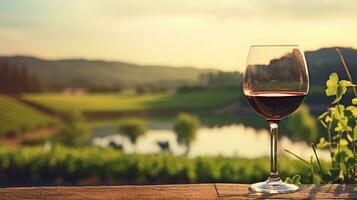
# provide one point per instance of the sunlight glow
(202, 33)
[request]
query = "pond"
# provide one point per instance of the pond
(232, 140)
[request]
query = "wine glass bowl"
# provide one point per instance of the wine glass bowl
(275, 83)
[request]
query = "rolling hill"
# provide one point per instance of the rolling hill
(84, 73)
(324, 61)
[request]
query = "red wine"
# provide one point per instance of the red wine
(275, 105)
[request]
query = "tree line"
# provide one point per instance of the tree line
(15, 79)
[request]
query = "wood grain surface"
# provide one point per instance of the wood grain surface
(183, 191)
(335, 191)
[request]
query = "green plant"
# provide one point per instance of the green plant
(294, 180)
(38, 165)
(71, 133)
(133, 129)
(340, 124)
(186, 127)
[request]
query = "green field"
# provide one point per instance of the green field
(129, 102)
(16, 117)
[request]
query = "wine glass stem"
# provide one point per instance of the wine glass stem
(274, 175)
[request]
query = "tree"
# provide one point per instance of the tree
(221, 79)
(301, 125)
(16, 79)
(132, 129)
(71, 132)
(186, 127)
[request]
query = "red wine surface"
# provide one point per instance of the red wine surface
(275, 105)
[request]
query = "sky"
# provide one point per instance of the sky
(200, 33)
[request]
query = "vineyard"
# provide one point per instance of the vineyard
(58, 165)
(16, 117)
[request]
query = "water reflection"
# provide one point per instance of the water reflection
(234, 140)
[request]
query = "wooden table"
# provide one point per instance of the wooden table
(184, 191)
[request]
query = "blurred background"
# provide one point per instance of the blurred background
(144, 92)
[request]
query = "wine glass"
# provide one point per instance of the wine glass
(275, 83)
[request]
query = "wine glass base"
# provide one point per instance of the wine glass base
(273, 187)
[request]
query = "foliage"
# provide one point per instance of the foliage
(150, 88)
(186, 127)
(60, 164)
(71, 133)
(16, 117)
(221, 79)
(301, 126)
(191, 88)
(15, 79)
(340, 122)
(133, 129)
(295, 180)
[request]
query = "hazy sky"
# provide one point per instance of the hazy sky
(201, 33)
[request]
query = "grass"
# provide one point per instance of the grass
(128, 102)
(16, 117)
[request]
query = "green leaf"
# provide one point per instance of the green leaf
(296, 180)
(347, 151)
(288, 180)
(338, 112)
(346, 84)
(341, 89)
(328, 119)
(343, 142)
(354, 101)
(322, 143)
(342, 125)
(331, 91)
(332, 84)
(333, 79)
(353, 110)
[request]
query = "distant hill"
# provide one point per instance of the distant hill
(324, 61)
(84, 73)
